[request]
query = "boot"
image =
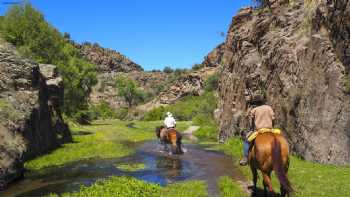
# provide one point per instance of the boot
(243, 161)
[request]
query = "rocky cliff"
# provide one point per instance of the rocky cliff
(30, 119)
(107, 60)
(297, 53)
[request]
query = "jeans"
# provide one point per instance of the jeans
(245, 148)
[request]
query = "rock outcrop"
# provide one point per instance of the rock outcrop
(31, 124)
(297, 53)
(107, 60)
(188, 85)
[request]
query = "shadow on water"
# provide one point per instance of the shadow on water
(161, 168)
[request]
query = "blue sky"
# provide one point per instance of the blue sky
(153, 33)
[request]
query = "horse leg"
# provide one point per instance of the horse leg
(267, 183)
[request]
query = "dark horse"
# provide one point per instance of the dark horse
(270, 152)
(172, 137)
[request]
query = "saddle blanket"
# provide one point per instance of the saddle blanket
(252, 136)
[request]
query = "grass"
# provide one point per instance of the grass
(308, 178)
(131, 187)
(229, 188)
(106, 139)
(131, 167)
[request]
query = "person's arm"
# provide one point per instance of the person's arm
(251, 120)
(273, 118)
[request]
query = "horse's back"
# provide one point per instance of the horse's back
(264, 144)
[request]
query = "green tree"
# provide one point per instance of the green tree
(127, 88)
(79, 77)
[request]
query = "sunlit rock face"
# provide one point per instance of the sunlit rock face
(31, 96)
(297, 52)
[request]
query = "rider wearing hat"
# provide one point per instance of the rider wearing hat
(170, 121)
(261, 119)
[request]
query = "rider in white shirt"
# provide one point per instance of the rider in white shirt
(169, 121)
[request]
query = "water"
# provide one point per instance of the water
(196, 164)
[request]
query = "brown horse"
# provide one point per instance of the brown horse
(170, 136)
(270, 152)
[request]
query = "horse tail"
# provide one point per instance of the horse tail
(278, 165)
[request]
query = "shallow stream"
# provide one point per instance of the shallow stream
(198, 163)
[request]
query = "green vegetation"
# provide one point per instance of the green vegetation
(168, 70)
(105, 139)
(131, 187)
(133, 167)
(208, 127)
(347, 84)
(307, 178)
(197, 66)
(199, 109)
(229, 188)
(26, 28)
(186, 108)
(128, 89)
(211, 83)
(103, 111)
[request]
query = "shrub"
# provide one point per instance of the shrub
(84, 117)
(211, 83)
(186, 108)
(197, 66)
(155, 114)
(103, 111)
(208, 126)
(122, 113)
(168, 69)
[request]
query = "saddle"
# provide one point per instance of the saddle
(253, 135)
(172, 132)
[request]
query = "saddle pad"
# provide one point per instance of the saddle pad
(263, 130)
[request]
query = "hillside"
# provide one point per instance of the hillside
(297, 53)
(106, 60)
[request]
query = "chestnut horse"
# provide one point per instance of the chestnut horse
(270, 152)
(171, 137)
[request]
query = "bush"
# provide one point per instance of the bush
(211, 83)
(168, 69)
(84, 117)
(103, 111)
(155, 114)
(197, 66)
(122, 113)
(208, 126)
(186, 108)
